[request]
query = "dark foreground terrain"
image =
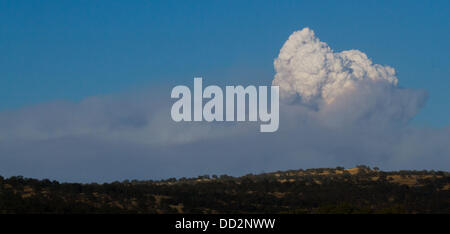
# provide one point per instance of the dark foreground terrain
(338, 190)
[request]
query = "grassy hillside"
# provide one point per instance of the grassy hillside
(338, 190)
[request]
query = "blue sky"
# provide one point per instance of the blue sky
(82, 86)
(52, 50)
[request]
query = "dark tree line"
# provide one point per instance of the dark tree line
(321, 190)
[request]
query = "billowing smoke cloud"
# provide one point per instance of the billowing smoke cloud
(345, 86)
(309, 68)
(338, 109)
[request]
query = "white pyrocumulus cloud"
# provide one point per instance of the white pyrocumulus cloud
(309, 69)
(343, 89)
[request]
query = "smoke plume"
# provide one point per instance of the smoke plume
(338, 109)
